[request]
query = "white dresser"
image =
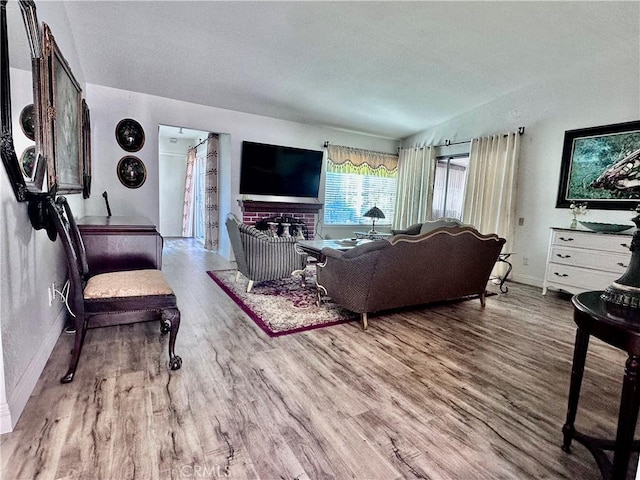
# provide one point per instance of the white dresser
(580, 260)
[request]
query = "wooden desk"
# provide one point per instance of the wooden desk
(120, 243)
(619, 327)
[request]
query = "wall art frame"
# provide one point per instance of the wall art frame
(63, 121)
(601, 167)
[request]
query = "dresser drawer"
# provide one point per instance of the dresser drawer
(593, 241)
(587, 258)
(579, 277)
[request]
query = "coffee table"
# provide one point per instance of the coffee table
(314, 248)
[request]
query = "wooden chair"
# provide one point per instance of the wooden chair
(132, 292)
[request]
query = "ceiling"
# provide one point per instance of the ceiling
(383, 68)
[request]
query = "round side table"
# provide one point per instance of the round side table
(619, 327)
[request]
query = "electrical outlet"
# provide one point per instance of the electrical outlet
(525, 260)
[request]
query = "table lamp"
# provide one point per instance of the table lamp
(625, 291)
(374, 212)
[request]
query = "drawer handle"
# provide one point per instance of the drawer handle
(560, 274)
(622, 265)
(562, 256)
(568, 239)
(625, 245)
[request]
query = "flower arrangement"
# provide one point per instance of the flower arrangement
(577, 209)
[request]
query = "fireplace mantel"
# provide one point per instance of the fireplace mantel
(263, 206)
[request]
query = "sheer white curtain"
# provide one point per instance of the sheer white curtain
(414, 193)
(490, 201)
(189, 195)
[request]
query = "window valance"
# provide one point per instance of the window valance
(363, 162)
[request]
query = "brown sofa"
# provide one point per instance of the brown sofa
(406, 270)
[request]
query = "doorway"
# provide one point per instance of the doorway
(173, 146)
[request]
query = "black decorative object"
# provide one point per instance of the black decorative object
(625, 292)
(28, 161)
(28, 122)
(130, 135)
(86, 150)
(131, 171)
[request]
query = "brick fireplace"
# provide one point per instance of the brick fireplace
(307, 213)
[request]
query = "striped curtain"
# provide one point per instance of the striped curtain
(414, 194)
(211, 217)
(189, 195)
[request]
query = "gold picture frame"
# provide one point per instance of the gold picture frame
(63, 121)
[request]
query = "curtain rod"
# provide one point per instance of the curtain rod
(326, 144)
(201, 142)
(448, 143)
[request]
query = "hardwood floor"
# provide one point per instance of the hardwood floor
(451, 391)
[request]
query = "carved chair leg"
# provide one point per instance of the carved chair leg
(172, 318)
(249, 286)
(78, 342)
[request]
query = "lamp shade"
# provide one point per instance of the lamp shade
(374, 212)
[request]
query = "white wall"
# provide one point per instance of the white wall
(602, 93)
(172, 174)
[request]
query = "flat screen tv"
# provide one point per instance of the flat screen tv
(278, 170)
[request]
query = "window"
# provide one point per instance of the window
(356, 180)
(449, 187)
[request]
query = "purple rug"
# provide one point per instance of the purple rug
(282, 307)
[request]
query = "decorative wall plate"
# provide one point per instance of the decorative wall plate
(28, 121)
(131, 171)
(28, 161)
(130, 135)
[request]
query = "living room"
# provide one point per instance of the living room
(600, 88)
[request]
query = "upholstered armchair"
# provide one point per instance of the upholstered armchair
(261, 257)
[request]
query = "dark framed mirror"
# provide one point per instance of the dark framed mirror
(21, 135)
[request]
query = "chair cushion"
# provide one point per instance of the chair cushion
(131, 283)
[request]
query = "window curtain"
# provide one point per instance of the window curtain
(490, 200)
(211, 222)
(189, 191)
(414, 193)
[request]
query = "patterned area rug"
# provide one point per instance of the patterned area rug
(282, 307)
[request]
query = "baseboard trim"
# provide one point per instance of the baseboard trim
(527, 280)
(17, 399)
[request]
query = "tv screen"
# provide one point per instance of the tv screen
(277, 170)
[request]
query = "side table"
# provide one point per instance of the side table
(619, 327)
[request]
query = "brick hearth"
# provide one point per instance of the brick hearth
(254, 210)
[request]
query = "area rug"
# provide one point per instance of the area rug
(282, 307)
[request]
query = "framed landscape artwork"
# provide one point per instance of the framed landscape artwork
(64, 122)
(601, 167)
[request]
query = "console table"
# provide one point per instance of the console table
(619, 327)
(120, 243)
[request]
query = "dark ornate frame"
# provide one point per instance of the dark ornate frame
(65, 162)
(567, 170)
(23, 188)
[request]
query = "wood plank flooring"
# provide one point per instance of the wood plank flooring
(450, 391)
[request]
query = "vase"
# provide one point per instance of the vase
(574, 223)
